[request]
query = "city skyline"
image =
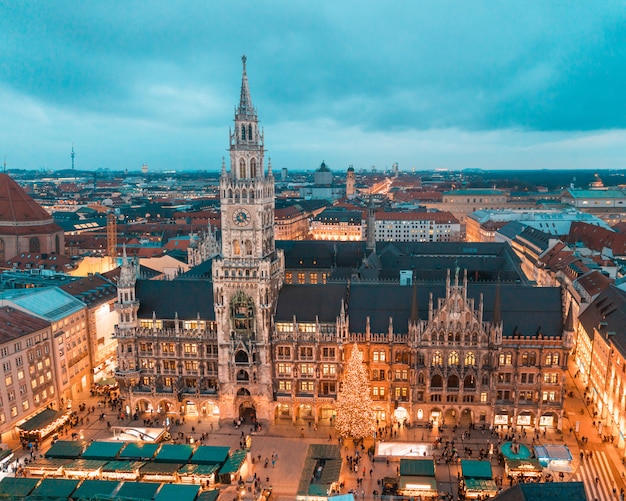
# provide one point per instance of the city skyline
(451, 85)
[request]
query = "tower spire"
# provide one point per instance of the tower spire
(245, 101)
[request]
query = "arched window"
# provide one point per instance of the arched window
(241, 357)
(485, 380)
(437, 358)
(248, 248)
(549, 359)
(506, 358)
(420, 378)
(469, 381)
(453, 358)
(243, 132)
(250, 132)
(470, 359)
(532, 359)
(453, 381)
(243, 375)
(436, 381)
(525, 359)
(420, 358)
(33, 245)
(236, 247)
(253, 167)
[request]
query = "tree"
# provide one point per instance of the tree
(355, 414)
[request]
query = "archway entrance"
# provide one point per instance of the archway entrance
(401, 415)
(247, 412)
(450, 417)
(467, 417)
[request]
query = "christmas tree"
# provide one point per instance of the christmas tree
(355, 415)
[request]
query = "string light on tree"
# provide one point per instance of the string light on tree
(355, 415)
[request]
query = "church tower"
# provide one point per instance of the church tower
(248, 274)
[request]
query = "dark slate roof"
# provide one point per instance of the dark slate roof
(188, 298)
(432, 260)
(525, 310)
(203, 270)
(512, 229)
(610, 308)
(551, 491)
(305, 302)
(309, 254)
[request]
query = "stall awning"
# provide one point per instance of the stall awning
(102, 450)
(139, 491)
(209, 495)
(107, 381)
(207, 454)
(17, 488)
(418, 467)
(55, 488)
(174, 453)
(524, 467)
(471, 468)
(84, 465)
(123, 466)
(41, 420)
(200, 470)
(178, 492)
(551, 452)
(234, 462)
(66, 449)
(139, 450)
(90, 489)
(160, 468)
(476, 484)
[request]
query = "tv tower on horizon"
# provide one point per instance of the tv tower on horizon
(73, 155)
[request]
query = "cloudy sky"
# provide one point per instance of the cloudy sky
(439, 84)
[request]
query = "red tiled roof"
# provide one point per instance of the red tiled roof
(16, 206)
(16, 323)
(597, 238)
(594, 283)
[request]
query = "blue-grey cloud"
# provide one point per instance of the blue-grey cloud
(139, 81)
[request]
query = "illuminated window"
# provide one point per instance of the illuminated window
(437, 358)
(453, 358)
(470, 359)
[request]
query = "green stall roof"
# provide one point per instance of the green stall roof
(122, 465)
(160, 468)
(209, 495)
(417, 467)
(234, 462)
(85, 465)
(89, 489)
(198, 469)
(17, 488)
(174, 453)
(47, 463)
(139, 450)
(102, 450)
(209, 454)
(178, 492)
(41, 420)
(55, 488)
(138, 491)
(472, 468)
(66, 449)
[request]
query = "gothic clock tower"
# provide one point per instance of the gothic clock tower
(248, 274)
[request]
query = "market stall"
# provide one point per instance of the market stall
(17, 488)
(174, 453)
(83, 468)
(198, 473)
(526, 468)
(66, 449)
(122, 470)
(91, 489)
(477, 479)
(160, 472)
(44, 424)
(46, 467)
(138, 490)
(556, 457)
(106, 451)
(139, 451)
(177, 492)
(417, 478)
(233, 466)
(54, 488)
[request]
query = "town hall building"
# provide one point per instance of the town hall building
(450, 332)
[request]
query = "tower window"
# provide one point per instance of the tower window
(250, 132)
(243, 132)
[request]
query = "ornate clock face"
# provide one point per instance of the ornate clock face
(241, 217)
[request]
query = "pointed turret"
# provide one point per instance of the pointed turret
(245, 101)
